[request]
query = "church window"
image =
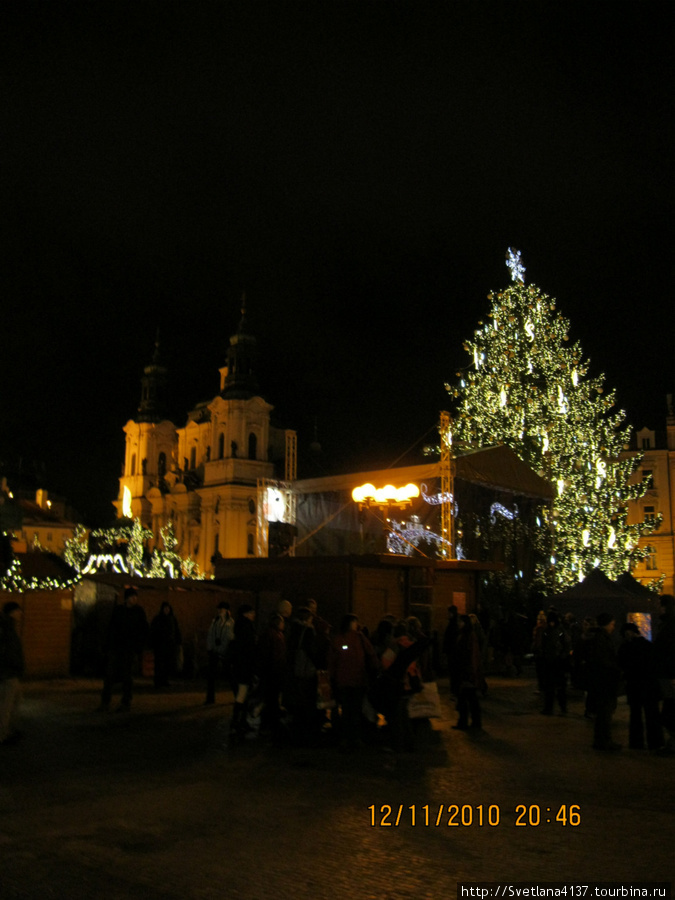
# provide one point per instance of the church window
(252, 445)
(221, 445)
(251, 506)
(249, 544)
(133, 463)
(193, 457)
(161, 464)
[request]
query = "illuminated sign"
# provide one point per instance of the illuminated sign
(275, 505)
(109, 562)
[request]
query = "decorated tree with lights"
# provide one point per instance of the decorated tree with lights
(528, 388)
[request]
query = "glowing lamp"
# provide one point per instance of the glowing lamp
(369, 495)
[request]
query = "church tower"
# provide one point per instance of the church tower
(204, 475)
(150, 445)
(153, 387)
(238, 379)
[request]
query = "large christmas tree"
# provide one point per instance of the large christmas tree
(526, 387)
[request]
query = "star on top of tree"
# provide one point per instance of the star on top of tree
(517, 268)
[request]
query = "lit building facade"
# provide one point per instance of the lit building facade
(205, 477)
(658, 470)
(46, 523)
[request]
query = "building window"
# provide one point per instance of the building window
(646, 443)
(251, 506)
(161, 465)
(252, 446)
(133, 463)
(221, 445)
(650, 515)
(650, 560)
(647, 476)
(193, 457)
(249, 545)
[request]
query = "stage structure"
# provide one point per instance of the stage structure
(276, 507)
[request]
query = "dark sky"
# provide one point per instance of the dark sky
(359, 169)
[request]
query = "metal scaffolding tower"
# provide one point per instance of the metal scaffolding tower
(447, 488)
(287, 491)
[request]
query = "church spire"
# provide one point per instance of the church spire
(240, 381)
(153, 382)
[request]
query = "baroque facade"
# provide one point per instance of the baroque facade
(657, 469)
(206, 476)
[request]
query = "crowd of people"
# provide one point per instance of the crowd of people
(299, 679)
(588, 657)
(308, 683)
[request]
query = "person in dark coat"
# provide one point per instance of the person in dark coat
(450, 648)
(165, 639)
(516, 640)
(470, 665)
(11, 671)
(243, 665)
(218, 645)
(537, 632)
(393, 688)
(603, 676)
(581, 657)
(272, 671)
(126, 638)
(664, 647)
(350, 662)
(637, 658)
(300, 695)
(555, 653)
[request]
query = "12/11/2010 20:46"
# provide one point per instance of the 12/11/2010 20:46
(481, 815)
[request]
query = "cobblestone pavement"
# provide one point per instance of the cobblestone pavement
(149, 804)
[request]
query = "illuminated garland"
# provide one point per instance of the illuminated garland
(503, 511)
(122, 549)
(404, 537)
(530, 391)
(14, 581)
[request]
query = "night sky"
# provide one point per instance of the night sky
(359, 170)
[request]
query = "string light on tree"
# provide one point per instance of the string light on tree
(532, 391)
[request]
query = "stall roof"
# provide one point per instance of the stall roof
(497, 467)
(597, 593)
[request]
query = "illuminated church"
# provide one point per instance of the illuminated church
(227, 481)
(206, 476)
